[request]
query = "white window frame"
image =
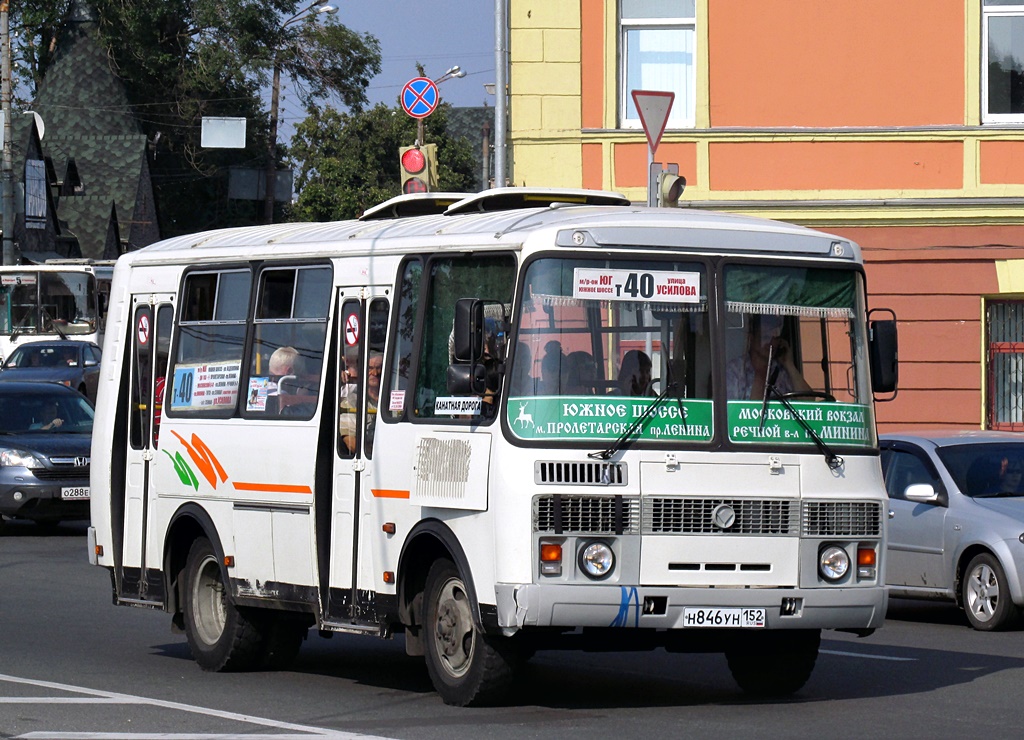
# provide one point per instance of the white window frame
(989, 12)
(683, 113)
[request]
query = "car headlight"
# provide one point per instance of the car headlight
(19, 459)
(597, 560)
(833, 563)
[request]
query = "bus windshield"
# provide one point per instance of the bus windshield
(599, 340)
(38, 302)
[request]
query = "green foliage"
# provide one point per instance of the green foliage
(185, 59)
(348, 162)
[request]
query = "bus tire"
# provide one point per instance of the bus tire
(221, 636)
(774, 664)
(283, 638)
(466, 666)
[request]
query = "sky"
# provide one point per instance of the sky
(436, 33)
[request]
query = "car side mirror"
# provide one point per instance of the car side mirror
(91, 363)
(922, 493)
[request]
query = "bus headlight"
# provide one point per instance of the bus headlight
(597, 560)
(833, 563)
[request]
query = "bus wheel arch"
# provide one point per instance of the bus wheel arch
(429, 541)
(188, 524)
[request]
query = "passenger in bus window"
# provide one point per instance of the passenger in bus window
(523, 382)
(634, 374)
(285, 366)
(747, 373)
(348, 399)
(374, 369)
(580, 374)
(551, 369)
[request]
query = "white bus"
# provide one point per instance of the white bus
(513, 423)
(58, 299)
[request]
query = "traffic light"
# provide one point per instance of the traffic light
(418, 167)
(670, 187)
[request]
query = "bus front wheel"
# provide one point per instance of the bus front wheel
(466, 666)
(774, 663)
(220, 635)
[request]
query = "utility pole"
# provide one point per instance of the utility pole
(500, 90)
(9, 257)
(270, 184)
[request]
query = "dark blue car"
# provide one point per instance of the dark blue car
(45, 437)
(70, 363)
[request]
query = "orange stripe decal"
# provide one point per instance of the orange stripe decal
(385, 493)
(271, 488)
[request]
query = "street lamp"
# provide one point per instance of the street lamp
(270, 185)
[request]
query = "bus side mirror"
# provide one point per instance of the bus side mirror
(467, 378)
(883, 354)
(469, 330)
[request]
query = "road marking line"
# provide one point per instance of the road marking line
(114, 697)
(868, 655)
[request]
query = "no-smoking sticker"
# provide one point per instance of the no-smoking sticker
(352, 330)
(143, 329)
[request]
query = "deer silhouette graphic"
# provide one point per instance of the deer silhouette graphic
(523, 418)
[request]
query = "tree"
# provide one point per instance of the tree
(348, 162)
(185, 59)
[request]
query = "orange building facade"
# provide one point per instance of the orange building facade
(898, 125)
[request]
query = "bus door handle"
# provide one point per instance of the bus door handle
(359, 465)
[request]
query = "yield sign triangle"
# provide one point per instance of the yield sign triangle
(653, 107)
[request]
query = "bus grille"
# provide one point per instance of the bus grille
(560, 514)
(758, 517)
(842, 519)
(548, 472)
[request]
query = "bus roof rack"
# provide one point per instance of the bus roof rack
(413, 204)
(508, 199)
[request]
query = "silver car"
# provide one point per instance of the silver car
(956, 521)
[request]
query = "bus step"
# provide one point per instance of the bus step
(353, 628)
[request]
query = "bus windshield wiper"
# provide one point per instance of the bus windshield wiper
(833, 460)
(626, 438)
(53, 323)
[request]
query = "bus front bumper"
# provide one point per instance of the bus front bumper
(533, 605)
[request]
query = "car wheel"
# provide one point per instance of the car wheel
(466, 666)
(221, 636)
(985, 594)
(775, 663)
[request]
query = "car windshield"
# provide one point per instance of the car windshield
(43, 356)
(46, 413)
(984, 470)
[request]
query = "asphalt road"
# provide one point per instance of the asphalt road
(75, 667)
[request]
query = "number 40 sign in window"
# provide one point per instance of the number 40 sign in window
(628, 285)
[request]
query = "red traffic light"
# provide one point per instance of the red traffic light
(413, 161)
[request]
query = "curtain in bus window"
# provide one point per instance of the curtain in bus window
(290, 330)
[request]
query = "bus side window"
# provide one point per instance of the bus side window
(487, 277)
(288, 342)
(398, 381)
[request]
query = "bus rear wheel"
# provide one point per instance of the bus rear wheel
(776, 663)
(466, 666)
(221, 636)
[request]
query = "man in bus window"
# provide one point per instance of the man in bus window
(747, 373)
(285, 364)
(374, 368)
(348, 399)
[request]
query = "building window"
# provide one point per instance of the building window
(1004, 329)
(657, 44)
(1002, 74)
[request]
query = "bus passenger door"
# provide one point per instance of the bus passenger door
(151, 334)
(361, 329)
